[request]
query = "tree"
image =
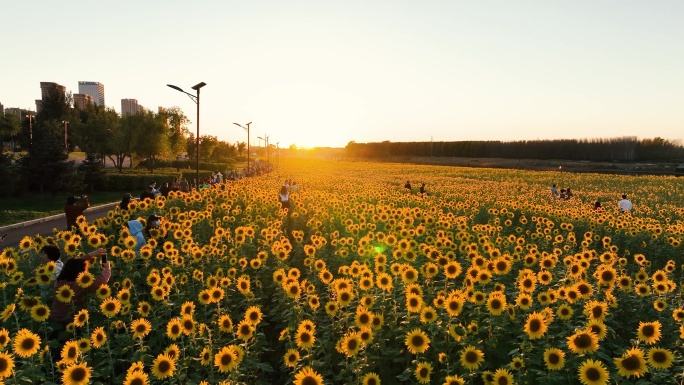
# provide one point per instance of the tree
(150, 139)
(120, 143)
(241, 147)
(99, 125)
(93, 173)
(9, 172)
(177, 126)
(46, 167)
(10, 127)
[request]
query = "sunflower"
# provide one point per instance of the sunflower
(85, 279)
(104, 291)
(535, 325)
(308, 376)
(422, 372)
(110, 307)
(81, 318)
(205, 356)
(428, 315)
(417, 341)
(291, 357)
(384, 282)
(70, 352)
(305, 338)
(554, 359)
(40, 312)
(84, 345)
(225, 323)
(454, 380)
(496, 303)
(659, 358)
(98, 337)
(136, 378)
(583, 341)
(6, 365)
(632, 363)
(502, 377)
(471, 358)
(370, 379)
(163, 366)
(4, 338)
(564, 312)
(314, 302)
(593, 372)
(26, 343)
(595, 310)
(174, 328)
(649, 332)
(173, 351)
(350, 344)
(678, 314)
(144, 308)
(140, 328)
(454, 305)
(64, 293)
(76, 374)
(245, 330)
(253, 315)
(517, 363)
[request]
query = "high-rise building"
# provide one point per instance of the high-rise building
(18, 111)
(46, 86)
(94, 89)
(130, 107)
(82, 100)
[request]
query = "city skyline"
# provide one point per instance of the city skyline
(310, 73)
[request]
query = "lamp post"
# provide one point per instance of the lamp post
(66, 145)
(278, 154)
(195, 99)
(265, 139)
(30, 119)
(246, 129)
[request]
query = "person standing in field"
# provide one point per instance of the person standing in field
(75, 206)
(554, 191)
(422, 189)
(625, 205)
(184, 185)
(407, 186)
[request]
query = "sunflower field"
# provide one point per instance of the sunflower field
(486, 279)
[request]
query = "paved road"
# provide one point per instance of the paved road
(44, 226)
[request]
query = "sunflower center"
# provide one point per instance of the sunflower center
(309, 380)
(424, 372)
(583, 341)
(554, 359)
(164, 367)
(597, 312)
(502, 380)
(631, 363)
(28, 344)
(471, 357)
(593, 374)
(496, 304)
(352, 345)
(226, 359)
(659, 357)
(535, 325)
(417, 341)
(648, 330)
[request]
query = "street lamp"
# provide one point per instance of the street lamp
(246, 129)
(265, 139)
(195, 99)
(66, 146)
(278, 154)
(30, 119)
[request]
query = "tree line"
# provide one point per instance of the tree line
(58, 128)
(622, 149)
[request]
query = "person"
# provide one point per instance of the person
(165, 189)
(155, 191)
(562, 194)
(148, 193)
(422, 189)
(597, 206)
(293, 187)
(127, 198)
(135, 228)
(62, 313)
(407, 185)
(75, 206)
(625, 205)
(554, 191)
(287, 185)
(153, 222)
(284, 197)
(52, 253)
(175, 186)
(184, 185)
(568, 193)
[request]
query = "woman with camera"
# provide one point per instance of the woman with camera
(75, 206)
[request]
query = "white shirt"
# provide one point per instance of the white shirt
(58, 269)
(625, 205)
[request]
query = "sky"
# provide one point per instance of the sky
(324, 73)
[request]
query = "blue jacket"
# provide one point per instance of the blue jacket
(136, 230)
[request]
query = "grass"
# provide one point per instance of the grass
(34, 205)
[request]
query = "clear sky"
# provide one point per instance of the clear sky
(329, 72)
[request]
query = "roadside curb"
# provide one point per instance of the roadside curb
(53, 217)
